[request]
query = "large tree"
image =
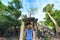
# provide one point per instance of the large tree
(11, 12)
(14, 9)
(50, 13)
(32, 11)
(3, 12)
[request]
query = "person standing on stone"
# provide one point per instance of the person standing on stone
(29, 32)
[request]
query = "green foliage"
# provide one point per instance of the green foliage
(48, 8)
(47, 38)
(54, 13)
(9, 14)
(33, 11)
(14, 8)
(24, 16)
(57, 16)
(51, 24)
(3, 8)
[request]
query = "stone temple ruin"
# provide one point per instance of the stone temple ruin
(33, 21)
(40, 34)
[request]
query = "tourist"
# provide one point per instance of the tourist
(29, 32)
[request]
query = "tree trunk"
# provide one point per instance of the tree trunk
(22, 32)
(14, 30)
(55, 23)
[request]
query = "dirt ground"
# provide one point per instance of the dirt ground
(55, 38)
(11, 38)
(16, 38)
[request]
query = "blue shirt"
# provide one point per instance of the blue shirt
(29, 34)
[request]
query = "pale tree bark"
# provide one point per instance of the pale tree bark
(22, 32)
(35, 34)
(55, 23)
